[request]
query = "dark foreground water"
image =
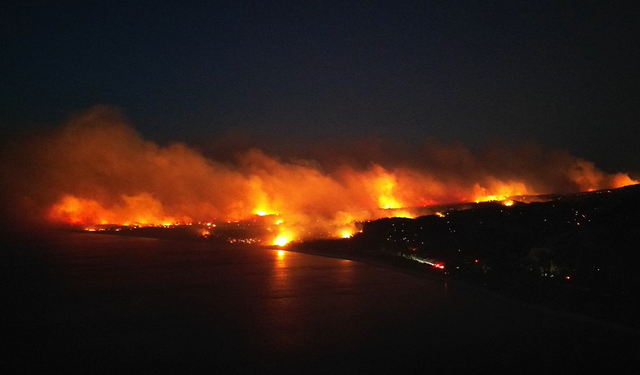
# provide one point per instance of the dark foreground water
(97, 303)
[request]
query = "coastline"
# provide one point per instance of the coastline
(456, 282)
(449, 281)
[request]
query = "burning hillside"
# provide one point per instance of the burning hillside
(98, 170)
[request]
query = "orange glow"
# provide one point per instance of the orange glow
(383, 186)
(498, 191)
(281, 241)
(622, 180)
(98, 170)
(400, 213)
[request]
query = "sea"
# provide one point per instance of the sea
(98, 303)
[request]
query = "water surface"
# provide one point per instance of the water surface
(92, 302)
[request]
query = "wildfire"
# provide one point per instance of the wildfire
(140, 210)
(499, 191)
(97, 170)
(383, 187)
(281, 241)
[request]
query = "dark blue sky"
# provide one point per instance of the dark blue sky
(559, 74)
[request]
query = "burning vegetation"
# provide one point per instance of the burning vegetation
(97, 170)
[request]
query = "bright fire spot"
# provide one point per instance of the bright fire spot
(384, 187)
(439, 265)
(278, 222)
(281, 254)
(346, 234)
(498, 191)
(440, 214)
(281, 241)
(492, 198)
(261, 213)
(507, 202)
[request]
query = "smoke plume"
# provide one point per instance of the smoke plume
(96, 169)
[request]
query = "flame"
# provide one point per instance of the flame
(281, 241)
(498, 191)
(98, 170)
(383, 186)
(132, 210)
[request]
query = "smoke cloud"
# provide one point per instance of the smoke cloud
(97, 169)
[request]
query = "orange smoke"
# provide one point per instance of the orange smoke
(97, 170)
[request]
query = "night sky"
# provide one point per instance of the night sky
(562, 74)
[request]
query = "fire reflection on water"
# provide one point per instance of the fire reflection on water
(295, 282)
(281, 307)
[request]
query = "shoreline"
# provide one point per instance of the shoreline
(450, 280)
(458, 283)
